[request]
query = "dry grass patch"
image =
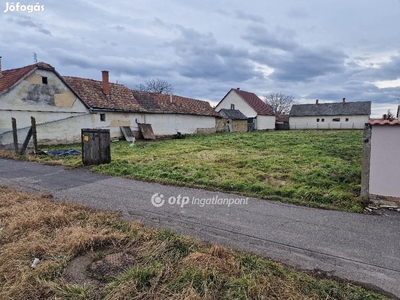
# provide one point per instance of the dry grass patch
(89, 254)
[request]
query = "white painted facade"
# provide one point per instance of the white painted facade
(385, 161)
(265, 122)
(18, 103)
(234, 101)
(60, 115)
(326, 122)
(169, 124)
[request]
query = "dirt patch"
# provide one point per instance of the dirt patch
(111, 265)
(274, 182)
(83, 271)
(75, 272)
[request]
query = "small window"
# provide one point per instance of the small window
(317, 120)
(347, 119)
(336, 120)
(44, 80)
(232, 106)
(102, 117)
(250, 120)
(322, 120)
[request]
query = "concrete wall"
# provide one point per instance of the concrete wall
(240, 104)
(237, 125)
(385, 161)
(354, 122)
(68, 130)
(265, 122)
(169, 124)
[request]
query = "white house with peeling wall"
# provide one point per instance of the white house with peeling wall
(62, 106)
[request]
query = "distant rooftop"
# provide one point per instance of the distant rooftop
(331, 109)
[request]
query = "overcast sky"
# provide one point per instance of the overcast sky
(314, 49)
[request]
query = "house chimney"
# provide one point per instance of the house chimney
(344, 101)
(238, 89)
(170, 95)
(316, 102)
(106, 83)
(385, 116)
(1, 71)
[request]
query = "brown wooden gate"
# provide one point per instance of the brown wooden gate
(96, 146)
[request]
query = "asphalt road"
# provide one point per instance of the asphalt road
(361, 248)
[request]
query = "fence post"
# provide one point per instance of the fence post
(34, 135)
(15, 134)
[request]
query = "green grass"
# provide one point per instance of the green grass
(319, 168)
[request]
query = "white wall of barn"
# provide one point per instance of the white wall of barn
(353, 122)
(238, 102)
(168, 124)
(265, 122)
(68, 130)
(385, 161)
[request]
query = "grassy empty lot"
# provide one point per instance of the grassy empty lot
(314, 168)
(89, 254)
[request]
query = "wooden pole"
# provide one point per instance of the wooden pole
(15, 134)
(25, 144)
(34, 135)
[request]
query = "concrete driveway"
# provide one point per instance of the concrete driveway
(360, 248)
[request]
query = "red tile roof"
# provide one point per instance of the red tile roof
(384, 122)
(121, 98)
(10, 77)
(161, 103)
(282, 118)
(256, 103)
(91, 93)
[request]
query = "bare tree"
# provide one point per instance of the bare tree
(155, 85)
(280, 103)
(390, 116)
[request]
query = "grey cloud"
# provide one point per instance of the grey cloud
(26, 21)
(298, 13)
(306, 64)
(201, 56)
(262, 37)
(249, 17)
(118, 28)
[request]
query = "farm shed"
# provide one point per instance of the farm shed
(342, 115)
(232, 121)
